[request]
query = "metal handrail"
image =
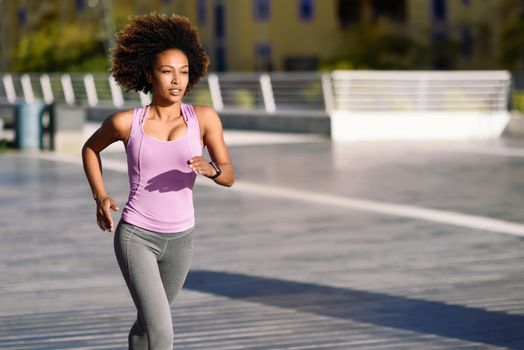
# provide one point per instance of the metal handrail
(273, 92)
(479, 91)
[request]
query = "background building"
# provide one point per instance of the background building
(246, 35)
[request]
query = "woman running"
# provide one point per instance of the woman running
(164, 143)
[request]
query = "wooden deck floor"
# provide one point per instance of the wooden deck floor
(318, 246)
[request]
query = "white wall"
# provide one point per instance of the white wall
(358, 126)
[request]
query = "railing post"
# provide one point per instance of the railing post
(47, 90)
(506, 94)
(29, 96)
(214, 90)
(327, 92)
(267, 93)
(89, 83)
(9, 88)
(67, 86)
(116, 93)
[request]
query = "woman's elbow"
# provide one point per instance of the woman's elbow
(229, 181)
(86, 149)
(89, 151)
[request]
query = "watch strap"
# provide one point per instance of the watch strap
(217, 169)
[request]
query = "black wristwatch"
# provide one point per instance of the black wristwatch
(217, 169)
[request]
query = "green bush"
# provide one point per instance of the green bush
(518, 100)
(201, 97)
(63, 47)
(5, 146)
(378, 45)
(511, 35)
(312, 92)
(244, 98)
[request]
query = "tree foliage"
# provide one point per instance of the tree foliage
(511, 50)
(61, 46)
(378, 45)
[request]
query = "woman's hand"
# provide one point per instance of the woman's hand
(103, 214)
(115, 128)
(200, 165)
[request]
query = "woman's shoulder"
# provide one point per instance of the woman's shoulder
(205, 113)
(120, 121)
(121, 117)
(207, 117)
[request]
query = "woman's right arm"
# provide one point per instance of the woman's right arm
(115, 128)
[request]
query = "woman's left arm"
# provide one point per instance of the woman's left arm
(213, 137)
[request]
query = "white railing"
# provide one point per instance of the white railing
(381, 91)
(230, 91)
(419, 105)
(362, 105)
(421, 91)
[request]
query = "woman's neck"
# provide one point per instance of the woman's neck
(165, 113)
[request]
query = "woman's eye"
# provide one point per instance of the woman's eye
(185, 73)
(166, 72)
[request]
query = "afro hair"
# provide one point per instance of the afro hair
(139, 43)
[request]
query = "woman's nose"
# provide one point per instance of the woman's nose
(174, 78)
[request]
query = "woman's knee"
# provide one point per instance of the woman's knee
(161, 338)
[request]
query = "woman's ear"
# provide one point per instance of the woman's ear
(149, 77)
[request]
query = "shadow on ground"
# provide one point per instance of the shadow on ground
(428, 317)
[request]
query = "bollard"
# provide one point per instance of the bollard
(28, 125)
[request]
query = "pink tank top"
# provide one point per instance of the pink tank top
(160, 181)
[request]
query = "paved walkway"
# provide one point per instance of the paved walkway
(318, 246)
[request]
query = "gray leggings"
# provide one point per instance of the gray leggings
(155, 266)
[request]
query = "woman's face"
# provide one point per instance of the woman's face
(170, 76)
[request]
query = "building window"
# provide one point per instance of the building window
(349, 12)
(220, 29)
(22, 16)
(79, 5)
(261, 10)
(220, 59)
(442, 58)
(439, 9)
(306, 9)
(394, 10)
(263, 57)
(466, 47)
(301, 63)
(201, 11)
